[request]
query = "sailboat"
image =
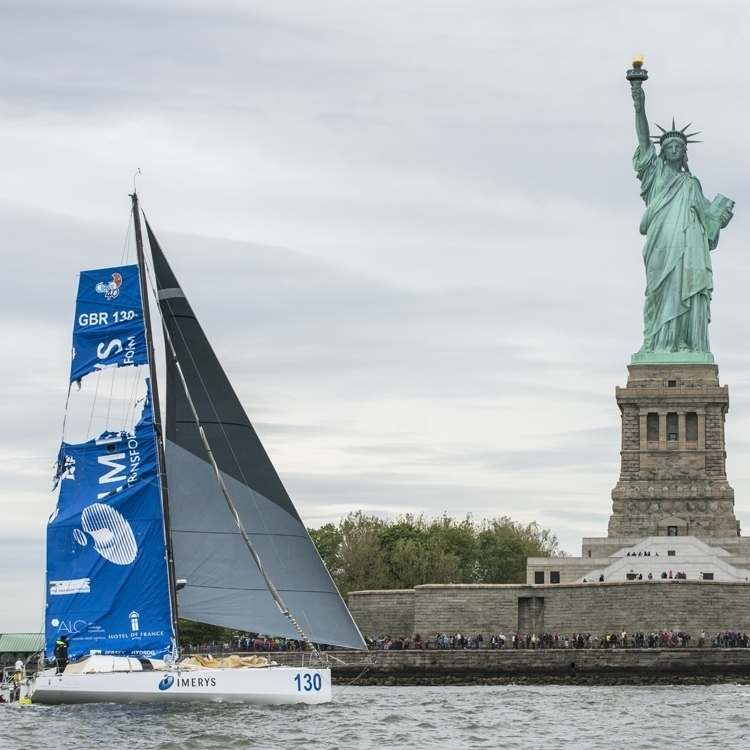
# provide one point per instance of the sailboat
(191, 504)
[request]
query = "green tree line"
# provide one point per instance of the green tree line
(365, 552)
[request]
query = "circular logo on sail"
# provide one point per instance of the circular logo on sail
(167, 682)
(113, 538)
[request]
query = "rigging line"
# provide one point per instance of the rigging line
(65, 415)
(93, 406)
(269, 583)
(349, 684)
(126, 246)
(111, 392)
(138, 378)
(124, 403)
(134, 400)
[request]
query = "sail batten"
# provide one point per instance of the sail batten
(225, 586)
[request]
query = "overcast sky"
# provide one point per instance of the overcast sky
(410, 230)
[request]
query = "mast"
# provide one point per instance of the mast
(157, 418)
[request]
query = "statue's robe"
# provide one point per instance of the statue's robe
(679, 278)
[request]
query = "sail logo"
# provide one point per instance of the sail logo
(134, 621)
(74, 627)
(112, 534)
(118, 471)
(110, 289)
(73, 586)
(113, 349)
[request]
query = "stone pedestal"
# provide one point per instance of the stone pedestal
(673, 475)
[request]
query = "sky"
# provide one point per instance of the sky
(409, 229)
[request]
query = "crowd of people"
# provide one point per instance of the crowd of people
(656, 639)
(672, 575)
(244, 645)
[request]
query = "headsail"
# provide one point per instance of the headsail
(106, 570)
(224, 585)
(107, 580)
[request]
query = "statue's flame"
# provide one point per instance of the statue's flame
(638, 61)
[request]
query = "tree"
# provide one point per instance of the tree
(327, 539)
(504, 546)
(197, 633)
(366, 552)
(361, 564)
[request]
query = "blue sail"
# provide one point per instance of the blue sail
(107, 577)
(109, 329)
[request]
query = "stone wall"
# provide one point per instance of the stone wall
(467, 609)
(690, 606)
(383, 612)
(584, 666)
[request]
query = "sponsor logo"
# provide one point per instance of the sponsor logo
(167, 682)
(74, 586)
(112, 534)
(134, 621)
(196, 682)
(110, 289)
(70, 626)
(139, 634)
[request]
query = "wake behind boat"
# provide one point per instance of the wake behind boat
(146, 509)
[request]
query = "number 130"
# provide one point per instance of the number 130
(308, 682)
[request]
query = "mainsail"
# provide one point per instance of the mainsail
(224, 585)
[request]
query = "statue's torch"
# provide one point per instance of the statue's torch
(637, 74)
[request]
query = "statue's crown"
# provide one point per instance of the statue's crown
(675, 133)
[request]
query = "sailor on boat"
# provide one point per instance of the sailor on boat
(61, 654)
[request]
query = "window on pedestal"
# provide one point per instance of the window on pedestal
(652, 427)
(691, 427)
(672, 423)
(539, 576)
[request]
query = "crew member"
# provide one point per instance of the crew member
(61, 654)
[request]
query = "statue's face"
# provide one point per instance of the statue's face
(674, 150)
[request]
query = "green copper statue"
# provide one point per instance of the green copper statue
(681, 227)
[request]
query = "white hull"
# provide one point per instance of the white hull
(275, 685)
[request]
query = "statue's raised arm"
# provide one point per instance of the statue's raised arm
(641, 121)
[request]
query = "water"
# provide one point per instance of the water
(360, 718)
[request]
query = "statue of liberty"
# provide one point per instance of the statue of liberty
(681, 228)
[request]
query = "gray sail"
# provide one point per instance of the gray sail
(224, 585)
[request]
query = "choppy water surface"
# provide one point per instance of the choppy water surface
(549, 717)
